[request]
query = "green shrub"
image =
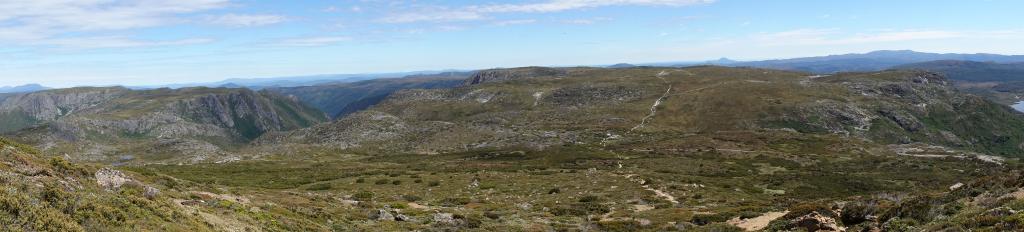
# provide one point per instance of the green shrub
(455, 201)
(363, 196)
(706, 219)
(619, 225)
(410, 198)
(319, 187)
(581, 209)
(589, 198)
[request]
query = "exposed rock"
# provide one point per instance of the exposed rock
(447, 219)
(383, 215)
(816, 222)
(111, 179)
(150, 192)
(499, 75)
(404, 218)
(956, 186)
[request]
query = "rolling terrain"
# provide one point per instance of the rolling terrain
(622, 149)
(542, 107)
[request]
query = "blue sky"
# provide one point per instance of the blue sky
(64, 43)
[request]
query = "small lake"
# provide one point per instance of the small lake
(1019, 106)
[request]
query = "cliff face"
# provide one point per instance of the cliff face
(106, 122)
(499, 75)
(49, 105)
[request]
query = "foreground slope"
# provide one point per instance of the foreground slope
(101, 124)
(55, 195)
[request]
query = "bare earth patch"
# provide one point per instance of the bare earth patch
(757, 223)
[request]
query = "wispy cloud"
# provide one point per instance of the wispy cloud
(312, 41)
(838, 37)
(246, 20)
(118, 42)
(444, 16)
(585, 21)
(565, 5)
(478, 12)
(51, 21)
(514, 22)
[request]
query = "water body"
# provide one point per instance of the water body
(1019, 106)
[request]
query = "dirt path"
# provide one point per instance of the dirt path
(757, 223)
(654, 108)
(658, 192)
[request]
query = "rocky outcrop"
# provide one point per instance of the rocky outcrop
(500, 75)
(111, 179)
(95, 121)
(50, 105)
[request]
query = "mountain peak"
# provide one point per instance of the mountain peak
(23, 88)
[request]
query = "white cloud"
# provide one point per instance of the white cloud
(837, 37)
(515, 22)
(312, 41)
(478, 12)
(443, 16)
(246, 20)
(117, 42)
(565, 5)
(30, 21)
(585, 21)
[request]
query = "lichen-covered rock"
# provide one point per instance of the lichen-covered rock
(150, 192)
(111, 179)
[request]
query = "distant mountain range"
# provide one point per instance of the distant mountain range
(23, 88)
(872, 61)
(292, 81)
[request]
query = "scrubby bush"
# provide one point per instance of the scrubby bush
(319, 187)
(455, 201)
(705, 219)
(410, 198)
(363, 196)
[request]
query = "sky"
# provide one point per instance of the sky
(62, 43)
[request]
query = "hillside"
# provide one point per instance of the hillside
(341, 99)
(117, 124)
(55, 195)
(541, 107)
